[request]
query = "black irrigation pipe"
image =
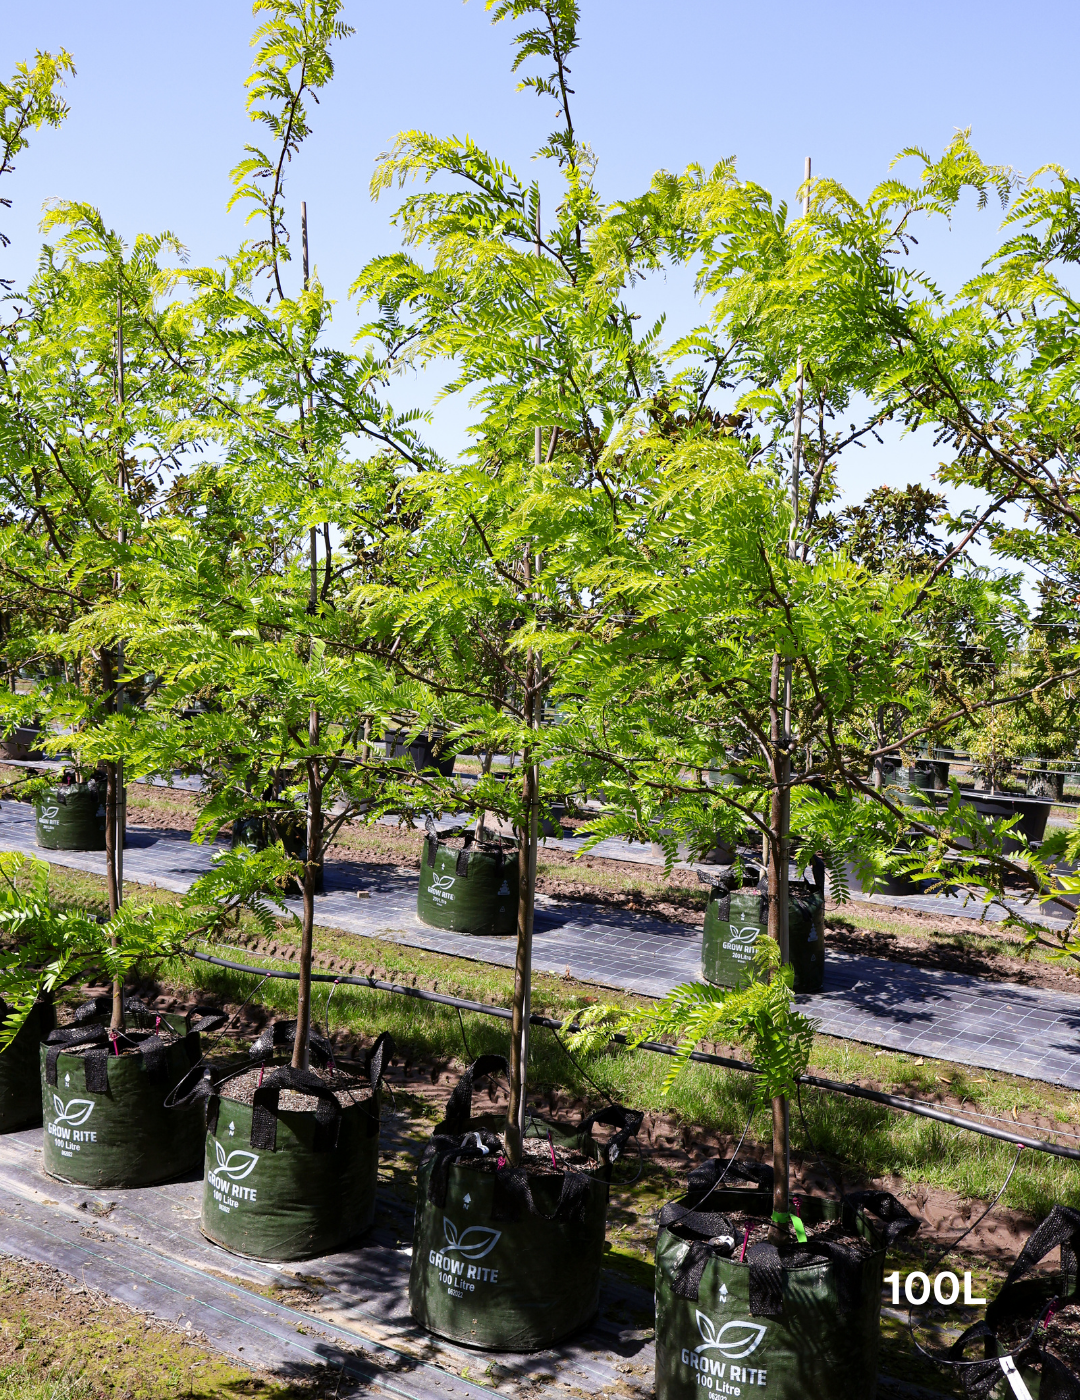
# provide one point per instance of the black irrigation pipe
(832, 1086)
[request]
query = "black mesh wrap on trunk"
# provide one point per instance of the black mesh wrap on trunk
(442, 1151)
(459, 1104)
(896, 1220)
(766, 1280)
(96, 1044)
(626, 1120)
(708, 1176)
(513, 1197)
(283, 1033)
(264, 1108)
(695, 1227)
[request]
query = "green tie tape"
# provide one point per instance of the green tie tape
(783, 1217)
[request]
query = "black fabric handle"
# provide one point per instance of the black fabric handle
(204, 1020)
(72, 1037)
(628, 1121)
(283, 1033)
(895, 1217)
(100, 1005)
(376, 1065)
(443, 1151)
(513, 1197)
(459, 1104)
(1060, 1229)
(712, 1173)
(264, 1110)
(766, 1280)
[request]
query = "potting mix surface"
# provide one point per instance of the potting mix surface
(347, 1089)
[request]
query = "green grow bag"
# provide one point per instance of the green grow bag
(292, 1184)
(20, 1077)
(468, 886)
(71, 817)
(503, 1260)
(734, 919)
(106, 1121)
(790, 1326)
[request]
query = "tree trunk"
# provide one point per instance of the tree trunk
(779, 841)
(522, 1007)
(311, 872)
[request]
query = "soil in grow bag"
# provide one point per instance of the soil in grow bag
(467, 885)
(261, 832)
(292, 1156)
(103, 1095)
(1034, 1320)
(735, 917)
(737, 1316)
(20, 1077)
(71, 817)
(509, 1259)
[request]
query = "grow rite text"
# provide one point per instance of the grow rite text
(723, 1377)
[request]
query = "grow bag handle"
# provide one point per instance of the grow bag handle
(1061, 1228)
(628, 1121)
(706, 1224)
(279, 1033)
(513, 1196)
(98, 1039)
(896, 1220)
(713, 1172)
(376, 1064)
(459, 1104)
(203, 1020)
(442, 1151)
(264, 1110)
(97, 1006)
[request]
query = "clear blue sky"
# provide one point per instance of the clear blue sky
(157, 115)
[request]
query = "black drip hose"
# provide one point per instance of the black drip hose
(832, 1086)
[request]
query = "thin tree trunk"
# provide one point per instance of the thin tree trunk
(311, 872)
(522, 1007)
(779, 834)
(314, 773)
(778, 1233)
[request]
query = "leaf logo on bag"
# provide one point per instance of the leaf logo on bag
(473, 1243)
(746, 934)
(443, 882)
(734, 1340)
(237, 1164)
(75, 1114)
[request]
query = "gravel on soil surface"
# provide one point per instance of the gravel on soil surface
(347, 1089)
